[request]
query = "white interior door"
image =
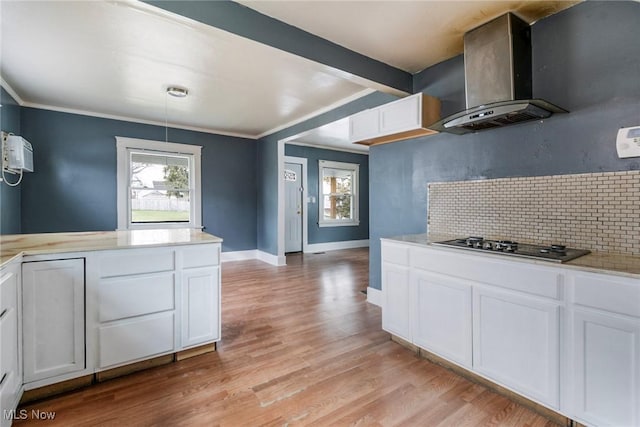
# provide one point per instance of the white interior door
(293, 207)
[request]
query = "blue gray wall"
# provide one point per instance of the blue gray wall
(318, 234)
(9, 196)
(585, 59)
(73, 187)
(268, 165)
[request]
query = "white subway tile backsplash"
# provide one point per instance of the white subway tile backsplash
(597, 211)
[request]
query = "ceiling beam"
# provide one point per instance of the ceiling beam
(245, 22)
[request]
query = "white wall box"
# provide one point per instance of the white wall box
(10, 344)
(53, 318)
(398, 120)
(566, 339)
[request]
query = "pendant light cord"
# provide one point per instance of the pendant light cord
(166, 118)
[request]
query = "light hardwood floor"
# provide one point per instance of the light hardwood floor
(300, 346)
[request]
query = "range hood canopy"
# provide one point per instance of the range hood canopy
(498, 88)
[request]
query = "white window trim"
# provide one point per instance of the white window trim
(355, 194)
(123, 145)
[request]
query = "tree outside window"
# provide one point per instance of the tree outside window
(338, 193)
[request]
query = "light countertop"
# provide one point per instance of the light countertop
(597, 262)
(14, 245)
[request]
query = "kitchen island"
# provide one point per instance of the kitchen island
(83, 307)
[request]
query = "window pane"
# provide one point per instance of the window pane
(337, 207)
(159, 188)
(337, 181)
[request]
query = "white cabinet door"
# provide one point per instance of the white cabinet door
(401, 115)
(200, 306)
(364, 125)
(10, 341)
(516, 343)
(53, 318)
(442, 316)
(396, 305)
(606, 369)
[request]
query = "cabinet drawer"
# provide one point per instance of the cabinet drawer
(519, 276)
(140, 338)
(614, 294)
(126, 262)
(123, 297)
(200, 256)
(395, 254)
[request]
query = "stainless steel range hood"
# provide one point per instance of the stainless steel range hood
(497, 66)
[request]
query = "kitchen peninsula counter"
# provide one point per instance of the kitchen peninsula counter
(16, 245)
(596, 262)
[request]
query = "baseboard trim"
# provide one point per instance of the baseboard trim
(239, 255)
(271, 259)
(374, 296)
(334, 246)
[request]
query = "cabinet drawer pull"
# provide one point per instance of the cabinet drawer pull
(3, 313)
(3, 378)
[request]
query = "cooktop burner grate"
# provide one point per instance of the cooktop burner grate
(553, 252)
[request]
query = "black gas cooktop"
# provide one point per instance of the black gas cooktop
(554, 252)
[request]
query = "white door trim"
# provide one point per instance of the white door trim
(305, 198)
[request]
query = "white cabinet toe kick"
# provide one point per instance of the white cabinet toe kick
(566, 340)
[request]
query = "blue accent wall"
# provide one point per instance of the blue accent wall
(268, 165)
(317, 234)
(585, 59)
(9, 196)
(73, 187)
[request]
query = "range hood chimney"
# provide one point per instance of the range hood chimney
(497, 68)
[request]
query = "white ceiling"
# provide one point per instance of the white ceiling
(410, 35)
(115, 59)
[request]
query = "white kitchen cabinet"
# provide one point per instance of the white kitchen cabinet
(516, 342)
(10, 366)
(200, 306)
(606, 369)
(562, 337)
(400, 115)
(156, 301)
(442, 316)
(398, 120)
(136, 301)
(53, 318)
(136, 339)
(364, 125)
(605, 350)
(396, 300)
(396, 293)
